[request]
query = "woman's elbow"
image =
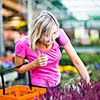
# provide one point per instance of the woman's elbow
(19, 71)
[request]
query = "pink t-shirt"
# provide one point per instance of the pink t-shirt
(49, 73)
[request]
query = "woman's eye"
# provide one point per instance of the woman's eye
(47, 35)
(54, 33)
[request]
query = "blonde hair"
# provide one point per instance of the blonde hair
(43, 23)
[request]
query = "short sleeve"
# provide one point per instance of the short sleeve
(20, 48)
(62, 37)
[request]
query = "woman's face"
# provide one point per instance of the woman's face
(47, 39)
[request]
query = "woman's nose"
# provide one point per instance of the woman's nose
(47, 38)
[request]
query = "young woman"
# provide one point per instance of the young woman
(43, 54)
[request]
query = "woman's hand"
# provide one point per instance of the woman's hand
(41, 60)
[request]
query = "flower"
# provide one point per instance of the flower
(6, 64)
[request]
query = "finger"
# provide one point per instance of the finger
(43, 63)
(43, 59)
(44, 56)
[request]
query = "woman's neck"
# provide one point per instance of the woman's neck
(44, 47)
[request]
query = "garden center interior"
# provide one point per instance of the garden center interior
(80, 19)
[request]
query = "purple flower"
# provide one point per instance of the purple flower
(82, 91)
(7, 64)
(97, 65)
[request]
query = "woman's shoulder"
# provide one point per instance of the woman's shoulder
(62, 37)
(24, 40)
(61, 31)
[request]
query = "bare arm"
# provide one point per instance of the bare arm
(40, 61)
(77, 61)
(24, 68)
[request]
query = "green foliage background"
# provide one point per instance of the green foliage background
(88, 59)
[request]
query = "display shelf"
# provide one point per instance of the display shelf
(86, 49)
(89, 49)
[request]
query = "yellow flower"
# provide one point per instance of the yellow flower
(70, 68)
(61, 68)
